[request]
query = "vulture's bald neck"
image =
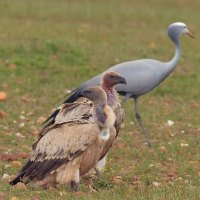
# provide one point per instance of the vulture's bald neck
(111, 94)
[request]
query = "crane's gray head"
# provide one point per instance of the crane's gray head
(177, 29)
(95, 94)
(111, 78)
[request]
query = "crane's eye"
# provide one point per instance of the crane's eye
(111, 76)
(184, 27)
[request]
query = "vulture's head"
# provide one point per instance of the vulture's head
(95, 94)
(110, 79)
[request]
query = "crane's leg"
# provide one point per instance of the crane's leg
(139, 119)
(126, 96)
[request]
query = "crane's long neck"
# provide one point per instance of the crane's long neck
(171, 65)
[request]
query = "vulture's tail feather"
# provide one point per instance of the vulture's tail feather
(17, 179)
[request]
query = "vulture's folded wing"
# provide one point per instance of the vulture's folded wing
(59, 146)
(78, 111)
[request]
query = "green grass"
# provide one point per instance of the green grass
(47, 47)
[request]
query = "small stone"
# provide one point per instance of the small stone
(170, 122)
(151, 165)
(182, 131)
(7, 166)
(184, 145)
(68, 91)
(20, 135)
(21, 125)
(156, 184)
(6, 177)
(163, 149)
(22, 117)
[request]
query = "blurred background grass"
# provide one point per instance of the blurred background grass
(47, 47)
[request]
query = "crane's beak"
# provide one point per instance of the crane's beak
(190, 34)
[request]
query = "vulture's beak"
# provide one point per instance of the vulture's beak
(121, 80)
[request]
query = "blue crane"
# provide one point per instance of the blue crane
(141, 75)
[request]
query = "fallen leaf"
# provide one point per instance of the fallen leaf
(20, 135)
(12, 66)
(8, 157)
(152, 45)
(3, 114)
(194, 104)
(27, 99)
(163, 149)
(35, 132)
(29, 113)
(117, 180)
(20, 186)
(35, 198)
(14, 198)
(3, 96)
(136, 178)
(23, 155)
(53, 57)
(1, 195)
(24, 146)
(16, 164)
(41, 120)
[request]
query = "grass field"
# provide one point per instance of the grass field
(49, 46)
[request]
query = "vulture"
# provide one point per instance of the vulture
(68, 150)
(83, 108)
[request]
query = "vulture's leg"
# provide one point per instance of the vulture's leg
(75, 181)
(100, 166)
(74, 186)
(139, 119)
